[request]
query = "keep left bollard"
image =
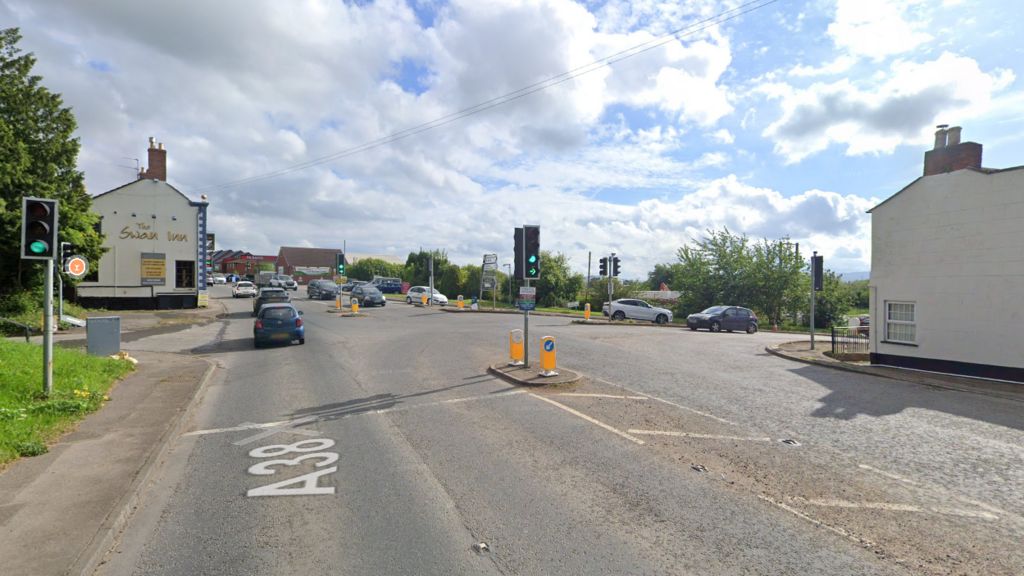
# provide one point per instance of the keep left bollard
(355, 305)
(547, 356)
(586, 312)
(461, 302)
(515, 347)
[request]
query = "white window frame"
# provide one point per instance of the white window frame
(889, 322)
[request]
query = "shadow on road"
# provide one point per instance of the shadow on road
(855, 394)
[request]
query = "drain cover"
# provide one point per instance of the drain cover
(481, 547)
(789, 441)
(698, 467)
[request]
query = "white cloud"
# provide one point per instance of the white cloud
(899, 106)
(877, 28)
(837, 66)
(723, 136)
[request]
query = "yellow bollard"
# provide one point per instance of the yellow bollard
(462, 304)
(355, 305)
(337, 301)
(547, 356)
(586, 312)
(423, 299)
(516, 351)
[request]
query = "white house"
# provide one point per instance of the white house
(155, 240)
(947, 267)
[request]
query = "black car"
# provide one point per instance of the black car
(322, 290)
(728, 318)
(269, 295)
(368, 295)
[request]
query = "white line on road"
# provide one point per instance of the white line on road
(995, 511)
(290, 424)
(612, 396)
(696, 435)
(590, 419)
(835, 503)
(816, 522)
(670, 403)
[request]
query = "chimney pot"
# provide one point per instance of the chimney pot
(152, 142)
(940, 136)
(953, 136)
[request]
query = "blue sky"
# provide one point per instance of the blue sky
(790, 120)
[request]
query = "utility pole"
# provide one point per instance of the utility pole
(813, 260)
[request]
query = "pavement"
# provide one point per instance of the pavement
(800, 351)
(60, 510)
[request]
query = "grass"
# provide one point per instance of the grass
(28, 420)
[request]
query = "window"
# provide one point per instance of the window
(899, 322)
(743, 313)
(184, 274)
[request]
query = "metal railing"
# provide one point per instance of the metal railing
(850, 340)
(28, 329)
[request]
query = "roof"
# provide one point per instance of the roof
(984, 171)
(298, 256)
(121, 187)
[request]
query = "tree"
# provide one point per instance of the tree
(859, 293)
(774, 277)
(833, 301)
(39, 159)
(557, 284)
(450, 281)
(367, 268)
(417, 266)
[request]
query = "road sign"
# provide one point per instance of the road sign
(488, 283)
(547, 356)
(76, 266)
(490, 259)
(490, 266)
(527, 297)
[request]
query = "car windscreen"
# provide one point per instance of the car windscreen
(714, 310)
(278, 313)
(273, 294)
(370, 291)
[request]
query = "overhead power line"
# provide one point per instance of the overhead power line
(550, 82)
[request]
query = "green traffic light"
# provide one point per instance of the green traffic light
(38, 247)
(533, 271)
(533, 258)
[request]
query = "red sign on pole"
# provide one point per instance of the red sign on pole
(76, 266)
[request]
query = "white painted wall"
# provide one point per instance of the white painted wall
(174, 228)
(954, 244)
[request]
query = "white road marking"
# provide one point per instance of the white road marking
(670, 403)
(696, 435)
(970, 501)
(836, 503)
(890, 475)
(290, 424)
(590, 419)
(816, 522)
(612, 396)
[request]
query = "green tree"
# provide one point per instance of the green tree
(558, 284)
(367, 268)
(417, 266)
(39, 159)
(833, 301)
(450, 281)
(774, 278)
(859, 293)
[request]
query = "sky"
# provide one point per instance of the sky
(773, 119)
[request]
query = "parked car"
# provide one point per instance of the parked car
(278, 323)
(244, 289)
(284, 281)
(633, 309)
(368, 295)
(348, 286)
(220, 279)
(322, 289)
(726, 318)
(269, 296)
(416, 293)
(387, 285)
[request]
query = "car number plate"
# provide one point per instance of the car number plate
(281, 336)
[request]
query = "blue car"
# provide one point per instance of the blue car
(278, 324)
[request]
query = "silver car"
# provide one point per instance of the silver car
(633, 309)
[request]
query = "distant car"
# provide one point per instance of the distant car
(278, 323)
(348, 286)
(269, 296)
(388, 285)
(416, 293)
(322, 289)
(728, 318)
(368, 295)
(220, 279)
(209, 279)
(633, 309)
(244, 289)
(284, 281)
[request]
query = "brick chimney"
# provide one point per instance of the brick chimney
(157, 162)
(950, 154)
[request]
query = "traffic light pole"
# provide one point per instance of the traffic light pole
(611, 280)
(526, 333)
(813, 259)
(48, 329)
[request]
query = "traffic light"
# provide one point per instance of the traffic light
(518, 255)
(339, 263)
(818, 268)
(38, 228)
(531, 252)
(615, 266)
(604, 266)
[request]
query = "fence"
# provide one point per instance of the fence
(850, 340)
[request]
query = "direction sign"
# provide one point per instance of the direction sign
(527, 297)
(76, 266)
(490, 258)
(490, 266)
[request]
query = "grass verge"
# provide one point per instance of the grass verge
(28, 420)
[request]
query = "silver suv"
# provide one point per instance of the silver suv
(633, 309)
(284, 281)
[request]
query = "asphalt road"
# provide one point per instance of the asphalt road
(667, 459)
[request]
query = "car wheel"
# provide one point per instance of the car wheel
(408, 300)
(715, 326)
(661, 319)
(256, 344)
(620, 315)
(302, 340)
(752, 328)
(694, 328)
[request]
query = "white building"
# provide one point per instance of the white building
(947, 267)
(155, 241)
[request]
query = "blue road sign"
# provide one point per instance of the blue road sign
(549, 345)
